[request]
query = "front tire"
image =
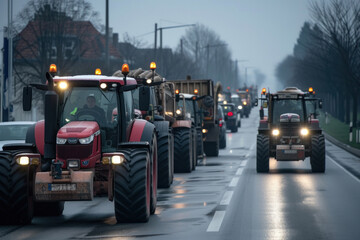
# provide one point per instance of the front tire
(317, 158)
(132, 187)
(222, 142)
(262, 153)
(16, 195)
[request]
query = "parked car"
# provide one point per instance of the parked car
(231, 117)
(13, 132)
(222, 126)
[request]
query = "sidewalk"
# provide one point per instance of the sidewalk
(348, 159)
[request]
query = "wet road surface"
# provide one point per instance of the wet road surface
(224, 198)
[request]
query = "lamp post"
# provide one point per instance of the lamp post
(246, 68)
(208, 46)
(161, 30)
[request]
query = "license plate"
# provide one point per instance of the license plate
(290, 151)
(62, 187)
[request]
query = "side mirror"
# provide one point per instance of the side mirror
(256, 102)
(144, 98)
(27, 98)
(320, 104)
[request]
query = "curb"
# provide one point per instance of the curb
(344, 146)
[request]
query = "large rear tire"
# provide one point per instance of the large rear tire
(222, 142)
(132, 187)
(183, 150)
(199, 144)
(165, 160)
(211, 149)
(154, 175)
(16, 195)
(194, 151)
(317, 158)
(234, 129)
(262, 153)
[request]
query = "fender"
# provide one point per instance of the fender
(141, 131)
(35, 135)
(182, 123)
(162, 127)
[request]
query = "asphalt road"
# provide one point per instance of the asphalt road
(224, 198)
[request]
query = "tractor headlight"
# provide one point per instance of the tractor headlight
(73, 163)
(204, 130)
(178, 111)
(275, 132)
(117, 159)
(60, 140)
(86, 140)
(24, 160)
(239, 107)
(304, 132)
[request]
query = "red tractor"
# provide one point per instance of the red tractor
(81, 150)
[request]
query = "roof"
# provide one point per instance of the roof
(92, 42)
(187, 95)
(99, 78)
(290, 90)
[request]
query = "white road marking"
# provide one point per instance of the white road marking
(243, 163)
(239, 171)
(227, 198)
(234, 182)
(349, 173)
(215, 223)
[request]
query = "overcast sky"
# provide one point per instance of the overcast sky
(262, 32)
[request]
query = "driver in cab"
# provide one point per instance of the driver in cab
(91, 105)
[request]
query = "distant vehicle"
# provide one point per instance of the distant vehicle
(231, 117)
(291, 131)
(13, 132)
(222, 126)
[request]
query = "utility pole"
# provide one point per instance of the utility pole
(155, 42)
(161, 52)
(107, 38)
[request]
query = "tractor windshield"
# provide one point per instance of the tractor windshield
(91, 104)
(281, 106)
(88, 104)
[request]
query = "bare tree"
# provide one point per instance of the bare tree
(339, 22)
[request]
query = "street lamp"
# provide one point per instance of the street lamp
(208, 46)
(161, 29)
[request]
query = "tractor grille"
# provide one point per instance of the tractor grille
(77, 151)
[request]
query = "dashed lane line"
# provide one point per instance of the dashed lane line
(243, 163)
(227, 198)
(234, 182)
(239, 171)
(216, 222)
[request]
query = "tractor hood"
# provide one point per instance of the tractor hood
(81, 129)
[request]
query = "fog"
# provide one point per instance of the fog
(259, 33)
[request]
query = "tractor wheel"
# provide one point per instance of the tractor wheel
(154, 175)
(234, 129)
(48, 208)
(132, 186)
(16, 195)
(262, 153)
(317, 158)
(165, 159)
(183, 150)
(194, 151)
(199, 144)
(211, 149)
(222, 142)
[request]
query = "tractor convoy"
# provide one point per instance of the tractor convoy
(124, 136)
